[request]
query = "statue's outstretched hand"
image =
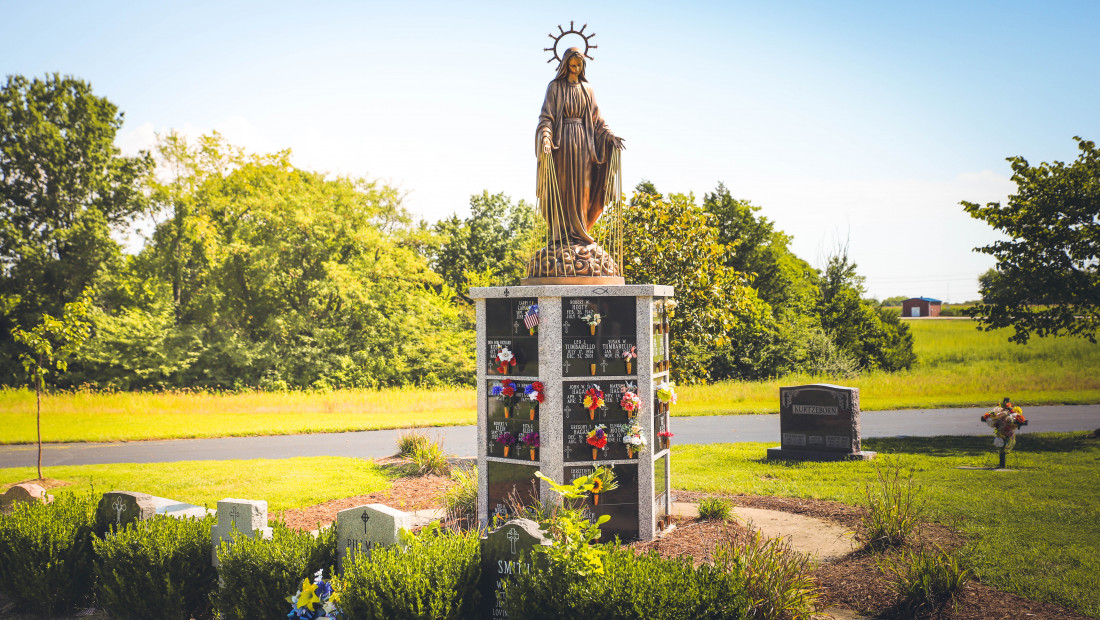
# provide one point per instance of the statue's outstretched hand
(546, 144)
(617, 142)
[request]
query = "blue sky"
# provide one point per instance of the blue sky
(864, 121)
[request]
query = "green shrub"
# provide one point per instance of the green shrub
(715, 509)
(893, 508)
(777, 578)
(409, 441)
(257, 575)
(925, 579)
(630, 586)
(460, 500)
(158, 568)
(46, 554)
(434, 576)
(430, 459)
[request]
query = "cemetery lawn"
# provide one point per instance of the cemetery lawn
(1032, 531)
(283, 483)
(957, 366)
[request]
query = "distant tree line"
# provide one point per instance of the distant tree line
(259, 274)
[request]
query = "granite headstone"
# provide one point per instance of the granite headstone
(819, 422)
(505, 552)
(246, 517)
(23, 492)
(118, 508)
(363, 528)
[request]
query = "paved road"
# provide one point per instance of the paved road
(461, 440)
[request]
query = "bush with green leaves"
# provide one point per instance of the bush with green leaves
(46, 554)
(433, 575)
(430, 459)
(777, 578)
(258, 575)
(409, 441)
(715, 509)
(893, 507)
(926, 579)
(628, 586)
(460, 499)
(157, 568)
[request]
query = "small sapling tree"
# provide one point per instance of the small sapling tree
(50, 344)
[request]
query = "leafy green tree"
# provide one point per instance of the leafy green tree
(716, 307)
(492, 245)
(894, 301)
(875, 337)
(63, 188)
(48, 347)
(786, 282)
(1052, 254)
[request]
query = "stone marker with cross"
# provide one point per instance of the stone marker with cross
(505, 552)
(23, 492)
(118, 508)
(248, 517)
(363, 527)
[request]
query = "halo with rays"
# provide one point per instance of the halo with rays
(562, 32)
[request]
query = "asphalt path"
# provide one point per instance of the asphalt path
(462, 440)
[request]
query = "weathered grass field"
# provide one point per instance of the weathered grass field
(957, 366)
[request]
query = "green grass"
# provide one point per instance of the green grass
(283, 483)
(1032, 531)
(957, 366)
(130, 416)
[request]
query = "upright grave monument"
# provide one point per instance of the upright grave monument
(819, 422)
(362, 528)
(506, 552)
(568, 363)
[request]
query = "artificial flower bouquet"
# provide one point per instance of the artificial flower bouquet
(666, 439)
(1005, 420)
(629, 355)
(505, 360)
(597, 438)
(506, 392)
(593, 319)
(535, 391)
(507, 440)
(593, 400)
(666, 393)
(531, 440)
(631, 403)
(633, 438)
(315, 601)
(602, 480)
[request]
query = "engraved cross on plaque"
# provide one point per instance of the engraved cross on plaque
(515, 325)
(119, 508)
(234, 514)
(513, 537)
(566, 364)
(603, 365)
(364, 518)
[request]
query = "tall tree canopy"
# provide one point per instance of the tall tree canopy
(1047, 279)
(63, 187)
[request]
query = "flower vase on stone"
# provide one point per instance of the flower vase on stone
(507, 412)
(533, 450)
(593, 368)
(629, 452)
(506, 448)
(532, 413)
(595, 453)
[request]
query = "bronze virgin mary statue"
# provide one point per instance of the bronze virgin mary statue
(578, 176)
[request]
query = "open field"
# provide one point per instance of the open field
(957, 366)
(283, 483)
(1032, 531)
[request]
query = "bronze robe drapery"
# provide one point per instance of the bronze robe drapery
(581, 144)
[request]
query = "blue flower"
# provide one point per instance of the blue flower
(497, 390)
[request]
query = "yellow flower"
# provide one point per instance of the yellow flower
(309, 596)
(597, 485)
(587, 402)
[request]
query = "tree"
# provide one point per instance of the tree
(63, 188)
(50, 345)
(1047, 279)
(673, 241)
(491, 247)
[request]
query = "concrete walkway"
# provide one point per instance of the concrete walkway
(462, 440)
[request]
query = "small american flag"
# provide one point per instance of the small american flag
(531, 319)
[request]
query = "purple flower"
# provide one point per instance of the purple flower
(530, 439)
(506, 438)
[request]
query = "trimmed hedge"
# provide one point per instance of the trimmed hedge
(46, 554)
(158, 568)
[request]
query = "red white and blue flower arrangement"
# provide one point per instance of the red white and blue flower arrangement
(505, 359)
(506, 392)
(535, 391)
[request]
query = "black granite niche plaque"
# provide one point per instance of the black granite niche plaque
(597, 350)
(521, 407)
(612, 411)
(621, 504)
(504, 327)
(506, 478)
(516, 428)
(819, 422)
